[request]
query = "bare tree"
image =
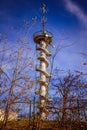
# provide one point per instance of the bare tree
(70, 92)
(16, 78)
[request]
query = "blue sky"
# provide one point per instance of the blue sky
(66, 19)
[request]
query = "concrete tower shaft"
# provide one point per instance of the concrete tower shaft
(43, 39)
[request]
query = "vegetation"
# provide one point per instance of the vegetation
(46, 125)
(15, 80)
(68, 107)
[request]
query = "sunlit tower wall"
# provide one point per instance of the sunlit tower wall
(43, 39)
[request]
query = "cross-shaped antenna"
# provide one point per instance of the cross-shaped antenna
(44, 10)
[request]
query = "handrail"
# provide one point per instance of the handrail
(44, 72)
(43, 58)
(44, 50)
(45, 33)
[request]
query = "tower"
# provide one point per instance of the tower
(43, 39)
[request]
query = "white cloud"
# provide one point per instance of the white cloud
(76, 10)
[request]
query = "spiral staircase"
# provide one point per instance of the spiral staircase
(43, 39)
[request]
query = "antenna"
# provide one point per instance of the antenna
(43, 10)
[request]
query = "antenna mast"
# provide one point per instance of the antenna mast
(43, 10)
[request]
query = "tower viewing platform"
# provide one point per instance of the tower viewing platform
(43, 36)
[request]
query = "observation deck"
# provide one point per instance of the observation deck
(43, 36)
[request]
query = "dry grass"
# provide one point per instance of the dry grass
(46, 125)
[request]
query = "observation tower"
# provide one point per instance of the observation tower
(43, 39)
